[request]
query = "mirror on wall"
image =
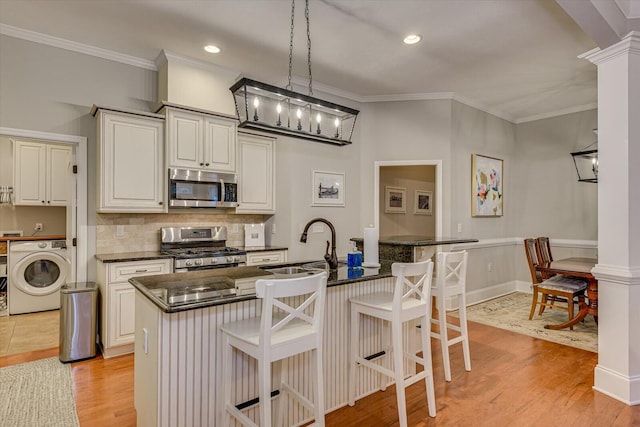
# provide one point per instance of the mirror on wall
(408, 198)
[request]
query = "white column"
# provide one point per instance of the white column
(618, 270)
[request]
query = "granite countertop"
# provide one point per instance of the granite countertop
(156, 287)
(131, 256)
(262, 248)
(28, 238)
(411, 240)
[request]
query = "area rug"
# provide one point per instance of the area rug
(37, 394)
(511, 312)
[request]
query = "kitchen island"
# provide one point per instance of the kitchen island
(411, 248)
(178, 361)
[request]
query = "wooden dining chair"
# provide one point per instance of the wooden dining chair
(544, 250)
(558, 286)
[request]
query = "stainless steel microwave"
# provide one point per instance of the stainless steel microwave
(202, 189)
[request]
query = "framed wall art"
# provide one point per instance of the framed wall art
(486, 186)
(395, 199)
(423, 203)
(328, 189)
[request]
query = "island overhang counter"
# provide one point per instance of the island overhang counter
(178, 361)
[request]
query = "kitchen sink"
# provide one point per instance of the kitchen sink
(322, 265)
(293, 271)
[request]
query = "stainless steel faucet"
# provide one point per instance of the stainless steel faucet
(332, 259)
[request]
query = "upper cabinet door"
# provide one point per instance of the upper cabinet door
(257, 176)
(131, 163)
(200, 141)
(58, 174)
(219, 146)
(185, 132)
(42, 173)
(29, 173)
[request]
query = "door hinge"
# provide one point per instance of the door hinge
(74, 242)
(75, 168)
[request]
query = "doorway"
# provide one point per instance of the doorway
(408, 197)
(76, 210)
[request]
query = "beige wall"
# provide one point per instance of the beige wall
(411, 178)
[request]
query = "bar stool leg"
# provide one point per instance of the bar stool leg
(386, 348)
(227, 354)
(264, 391)
(398, 356)
(444, 337)
(462, 309)
(428, 364)
(282, 397)
(353, 354)
(318, 405)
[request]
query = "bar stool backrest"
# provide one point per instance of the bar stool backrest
(413, 281)
(277, 316)
(452, 272)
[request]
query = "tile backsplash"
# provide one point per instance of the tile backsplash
(141, 232)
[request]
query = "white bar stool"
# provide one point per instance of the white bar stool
(397, 307)
(282, 331)
(451, 281)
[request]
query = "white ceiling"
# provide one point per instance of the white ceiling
(515, 58)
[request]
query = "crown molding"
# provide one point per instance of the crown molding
(32, 36)
(427, 96)
(165, 56)
(556, 113)
(630, 44)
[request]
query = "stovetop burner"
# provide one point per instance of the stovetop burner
(202, 252)
(199, 248)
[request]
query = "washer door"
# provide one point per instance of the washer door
(40, 273)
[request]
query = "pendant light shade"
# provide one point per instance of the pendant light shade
(586, 163)
(272, 109)
(268, 108)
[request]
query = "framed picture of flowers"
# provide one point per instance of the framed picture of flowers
(486, 186)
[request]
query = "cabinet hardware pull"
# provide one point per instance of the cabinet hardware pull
(201, 164)
(160, 203)
(142, 271)
(206, 164)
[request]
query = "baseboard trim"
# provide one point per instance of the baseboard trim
(486, 294)
(618, 386)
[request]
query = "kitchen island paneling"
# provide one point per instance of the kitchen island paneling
(178, 362)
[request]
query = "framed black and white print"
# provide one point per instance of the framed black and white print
(328, 189)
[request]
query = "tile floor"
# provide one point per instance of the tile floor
(28, 332)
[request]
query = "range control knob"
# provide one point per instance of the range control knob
(198, 262)
(188, 263)
(229, 259)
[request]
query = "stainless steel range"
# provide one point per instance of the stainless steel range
(200, 248)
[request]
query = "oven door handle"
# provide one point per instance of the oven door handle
(222, 191)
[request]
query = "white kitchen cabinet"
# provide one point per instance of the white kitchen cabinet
(131, 174)
(266, 257)
(200, 141)
(117, 301)
(256, 174)
(41, 173)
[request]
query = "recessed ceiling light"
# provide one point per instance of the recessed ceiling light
(212, 49)
(412, 38)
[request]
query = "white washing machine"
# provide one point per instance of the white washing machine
(37, 271)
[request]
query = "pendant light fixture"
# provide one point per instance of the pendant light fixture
(268, 108)
(586, 162)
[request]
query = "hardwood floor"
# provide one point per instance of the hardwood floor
(515, 380)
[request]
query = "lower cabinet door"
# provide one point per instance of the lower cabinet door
(123, 319)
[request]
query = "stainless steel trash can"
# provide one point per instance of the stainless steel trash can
(78, 311)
